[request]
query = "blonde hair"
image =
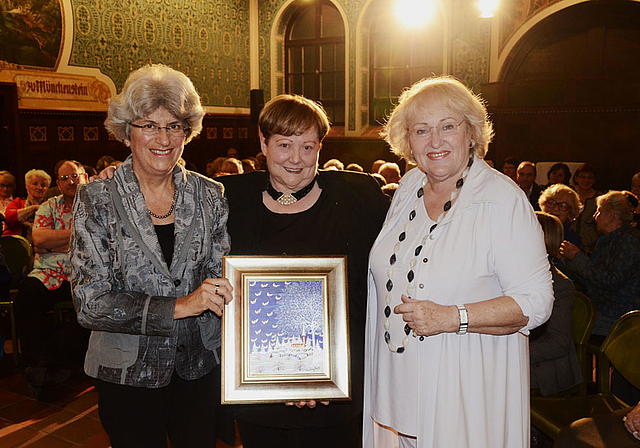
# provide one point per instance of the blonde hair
(450, 93)
(553, 232)
(146, 90)
(562, 190)
(622, 203)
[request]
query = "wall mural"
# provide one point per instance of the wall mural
(207, 40)
(30, 32)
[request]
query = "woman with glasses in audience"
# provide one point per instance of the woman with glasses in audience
(585, 226)
(7, 187)
(561, 201)
(611, 276)
(457, 278)
(20, 212)
(146, 257)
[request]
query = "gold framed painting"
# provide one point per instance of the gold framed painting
(285, 335)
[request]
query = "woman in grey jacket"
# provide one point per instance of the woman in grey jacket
(146, 255)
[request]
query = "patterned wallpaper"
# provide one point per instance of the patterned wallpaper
(206, 39)
(513, 14)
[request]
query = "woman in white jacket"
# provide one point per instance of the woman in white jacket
(458, 276)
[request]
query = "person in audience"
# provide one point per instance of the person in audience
(91, 171)
(333, 162)
(380, 179)
(7, 187)
(611, 277)
(261, 160)
(53, 189)
(146, 256)
(248, 165)
(526, 180)
(616, 429)
(232, 153)
(585, 226)
(553, 357)
(296, 209)
(391, 172)
(355, 167)
(48, 283)
(20, 213)
(561, 201)
(510, 168)
(559, 173)
(104, 162)
(390, 189)
(375, 166)
(457, 278)
(231, 165)
(635, 189)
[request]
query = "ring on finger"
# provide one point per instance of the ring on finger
(635, 434)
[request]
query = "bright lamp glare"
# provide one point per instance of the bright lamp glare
(487, 7)
(415, 13)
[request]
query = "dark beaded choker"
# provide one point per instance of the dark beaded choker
(289, 198)
(413, 263)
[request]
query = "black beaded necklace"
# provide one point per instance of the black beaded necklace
(416, 252)
(289, 198)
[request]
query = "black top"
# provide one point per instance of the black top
(345, 220)
(166, 239)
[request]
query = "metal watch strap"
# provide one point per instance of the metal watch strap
(464, 319)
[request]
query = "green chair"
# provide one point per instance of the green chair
(582, 323)
(620, 350)
(18, 255)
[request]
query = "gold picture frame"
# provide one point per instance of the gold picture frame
(285, 335)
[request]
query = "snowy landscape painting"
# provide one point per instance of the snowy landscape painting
(286, 326)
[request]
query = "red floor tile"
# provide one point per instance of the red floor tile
(98, 441)
(79, 430)
(48, 441)
(14, 434)
(22, 410)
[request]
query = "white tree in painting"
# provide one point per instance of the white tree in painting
(301, 313)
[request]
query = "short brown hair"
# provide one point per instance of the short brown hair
(553, 232)
(292, 114)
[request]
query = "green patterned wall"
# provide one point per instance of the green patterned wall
(206, 39)
(470, 44)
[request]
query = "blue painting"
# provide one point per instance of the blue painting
(286, 327)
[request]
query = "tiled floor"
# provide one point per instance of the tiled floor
(65, 416)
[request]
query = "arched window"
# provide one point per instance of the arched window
(314, 57)
(398, 59)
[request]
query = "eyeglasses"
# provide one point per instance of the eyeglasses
(150, 129)
(73, 176)
(562, 206)
(444, 129)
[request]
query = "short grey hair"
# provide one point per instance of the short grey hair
(149, 88)
(36, 173)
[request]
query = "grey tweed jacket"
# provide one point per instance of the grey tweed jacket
(123, 289)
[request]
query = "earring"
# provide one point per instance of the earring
(412, 153)
(472, 144)
(126, 143)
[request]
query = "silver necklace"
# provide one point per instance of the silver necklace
(173, 206)
(414, 261)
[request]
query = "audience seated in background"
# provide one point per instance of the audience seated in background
(611, 278)
(214, 167)
(635, 189)
(380, 179)
(231, 165)
(391, 172)
(510, 168)
(91, 171)
(103, 162)
(261, 164)
(559, 173)
(232, 153)
(20, 212)
(7, 187)
(375, 167)
(248, 165)
(53, 189)
(561, 201)
(48, 284)
(554, 361)
(355, 167)
(585, 225)
(526, 177)
(617, 429)
(390, 189)
(333, 162)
